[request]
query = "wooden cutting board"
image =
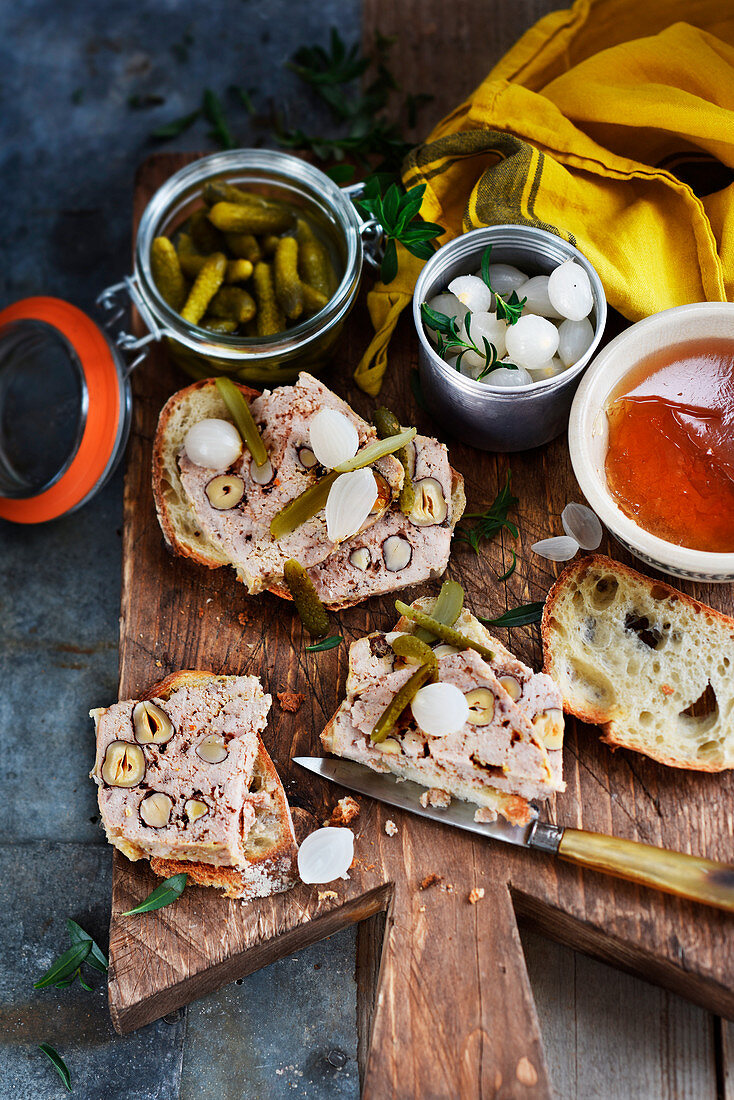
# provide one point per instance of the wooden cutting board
(445, 1007)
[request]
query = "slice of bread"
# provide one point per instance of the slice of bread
(649, 664)
(269, 843)
(339, 584)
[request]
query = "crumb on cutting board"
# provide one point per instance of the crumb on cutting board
(390, 827)
(436, 797)
(428, 881)
(345, 811)
(290, 701)
(476, 894)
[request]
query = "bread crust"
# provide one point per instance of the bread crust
(266, 873)
(205, 553)
(596, 716)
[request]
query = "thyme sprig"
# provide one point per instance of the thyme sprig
(508, 308)
(491, 522)
(449, 339)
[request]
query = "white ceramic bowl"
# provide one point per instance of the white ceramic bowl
(588, 432)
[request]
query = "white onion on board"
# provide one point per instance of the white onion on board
(440, 709)
(569, 290)
(581, 524)
(350, 500)
(333, 438)
(561, 548)
(213, 443)
(325, 855)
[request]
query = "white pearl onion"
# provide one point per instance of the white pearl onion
(532, 341)
(538, 302)
(326, 855)
(440, 709)
(574, 338)
(508, 378)
(505, 278)
(213, 443)
(569, 291)
(472, 292)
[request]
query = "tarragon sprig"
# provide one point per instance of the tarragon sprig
(488, 524)
(450, 340)
(397, 212)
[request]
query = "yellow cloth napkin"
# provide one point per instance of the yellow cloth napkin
(610, 124)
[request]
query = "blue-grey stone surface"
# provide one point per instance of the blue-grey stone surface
(70, 145)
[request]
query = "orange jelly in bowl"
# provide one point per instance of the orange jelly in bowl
(670, 458)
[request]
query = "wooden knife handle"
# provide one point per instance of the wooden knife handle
(672, 872)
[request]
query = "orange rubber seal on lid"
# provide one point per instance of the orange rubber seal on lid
(100, 432)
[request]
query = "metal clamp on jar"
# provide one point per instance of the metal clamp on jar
(65, 398)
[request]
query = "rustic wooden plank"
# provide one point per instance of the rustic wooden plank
(175, 614)
(609, 1035)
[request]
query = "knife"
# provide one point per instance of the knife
(702, 880)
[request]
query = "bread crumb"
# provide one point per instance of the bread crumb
(476, 894)
(485, 816)
(344, 812)
(429, 880)
(290, 701)
(159, 664)
(436, 797)
(421, 908)
(328, 895)
(667, 689)
(390, 827)
(243, 618)
(447, 887)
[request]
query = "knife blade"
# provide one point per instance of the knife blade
(686, 876)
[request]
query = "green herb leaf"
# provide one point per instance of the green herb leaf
(340, 173)
(491, 522)
(506, 576)
(170, 890)
(214, 114)
(389, 265)
(244, 95)
(173, 129)
(96, 958)
(57, 1062)
(65, 966)
(398, 215)
(508, 309)
(326, 643)
(143, 102)
(518, 616)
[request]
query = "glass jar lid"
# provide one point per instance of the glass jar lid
(64, 409)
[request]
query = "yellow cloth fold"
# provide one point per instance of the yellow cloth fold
(610, 124)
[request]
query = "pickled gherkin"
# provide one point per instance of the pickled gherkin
(207, 283)
(234, 304)
(270, 317)
(440, 630)
(407, 645)
(232, 217)
(288, 289)
(308, 605)
(446, 609)
(385, 724)
(245, 246)
(303, 507)
(386, 425)
(239, 410)
(268, 245)
(167, 273)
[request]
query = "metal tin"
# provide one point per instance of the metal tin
(488, 417)
(266, 360)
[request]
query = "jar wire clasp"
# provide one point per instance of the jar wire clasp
(114, 303)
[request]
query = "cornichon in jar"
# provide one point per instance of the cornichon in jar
(308, 605)
(314, 265)
(386, 425)
(385, 724)
(270, 318)
(167, 273)
(207, 283)
(313, 300)
(446, 609)
(206, 238)
(440, 630)
(239, 410)
(288, 288)
(313, 499)
(220, 191)
(237, 271)
(233, 303)
(218, 324)
(245, 246)
(232, 217)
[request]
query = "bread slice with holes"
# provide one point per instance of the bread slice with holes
(227, 821)
(240, 537)
(649, 664)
